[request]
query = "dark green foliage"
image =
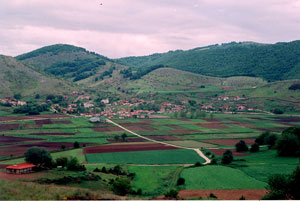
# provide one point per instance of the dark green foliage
(104, 170)
(31, 109)
(173, 193)
(277, 111)
(37, 96)
(227, 157)
(254, 148)
(241, 146)
(85, 176)
(62, 161)
(96, 170)
(63, 146)
(295, 86)
(266, 138)
(76, 145)
(242, 198)
(79, 68)
(124, 136)
(272, 62)
(283, 187)
(18, 96)
(211, 195)
(121, 186)
(180, 181)
(38, 156)
(198, 164)
(140, 72)
(74, 165)
(289, 142)
(53, 49)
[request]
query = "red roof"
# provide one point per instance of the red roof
(21, 166)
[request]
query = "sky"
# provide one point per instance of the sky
(119, 28)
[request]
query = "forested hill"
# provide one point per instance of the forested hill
(66, 61)
(280, 61)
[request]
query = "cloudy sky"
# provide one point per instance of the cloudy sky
(119, 28)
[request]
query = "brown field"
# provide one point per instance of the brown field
(229, 142)
(57, 133)
(126, 148)
(9, 126)
(220, 152)
(45, 121)
(32, 117)
(212, 125)
(249, 194)
(159, 138)
(20, 149)
(107, 129)
(9, 139)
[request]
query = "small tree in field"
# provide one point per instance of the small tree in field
(76, 145)
(124, 136)
(180, 181)
(227, 157)
(241, 146)
(38, 156)
(254, 148)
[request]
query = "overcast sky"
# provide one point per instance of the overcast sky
(119, 28)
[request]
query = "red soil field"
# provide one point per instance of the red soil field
(126, 148)
(2, 166)
(10, 139)
(8, 126)
(52, 133)
(141, 128)
(230, 142)
(220, 152)
(107, 129)
(175, 127)
(45, 121)
(249, 194)
(20, 149)
(213, 125)
(42, 116)
(134, 124)
(289, 124)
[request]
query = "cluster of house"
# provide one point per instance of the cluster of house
(12, 102)
(170, 108)
(235, 98)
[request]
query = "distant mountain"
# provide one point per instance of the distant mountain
(280, 61)
(16, 77)
(66, 61)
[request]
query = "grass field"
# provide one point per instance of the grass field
(178, 156)
(218, 177)
(154, 180)
(263, 164)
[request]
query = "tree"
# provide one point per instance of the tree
(62, 161)
(227, 157)
(63, 146)
(116, 137)
(76, 145)
(121, 186)
(266, 138)
(17, 96)
(241, 146)
(254, 148)
(124, 136)
(180, 181)
(38, 156)
(74, 165)
(277, 111)
(37, 96)
(288, 143)
(173, 193)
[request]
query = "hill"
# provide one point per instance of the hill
(65, 61)
(16, 77)
(272, 62)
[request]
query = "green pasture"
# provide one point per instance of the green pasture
(218, 177)
(178, 156)
(154, 180)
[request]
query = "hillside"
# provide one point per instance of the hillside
(272, 62)
(65, 61)
(16, 77)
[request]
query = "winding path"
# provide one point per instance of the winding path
(198, 151)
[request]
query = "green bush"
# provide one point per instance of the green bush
(173, 193)
(122, 186)
(241, 146)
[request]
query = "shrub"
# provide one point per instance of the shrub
(254, 148)
(76, 145)
(227, 157)
(62, 161)
(173, 193)
(121, 186)
(241, 146)
(38, 156)
(180, 181)
(74, 165)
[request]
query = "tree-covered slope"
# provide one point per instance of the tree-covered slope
(272, 62)
(65, 61)
(16, 77)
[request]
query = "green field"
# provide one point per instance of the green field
(219, 177)
(154, 180)
(178, 156)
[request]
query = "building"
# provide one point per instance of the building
(21, 168)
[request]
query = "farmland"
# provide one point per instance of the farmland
(157, 166)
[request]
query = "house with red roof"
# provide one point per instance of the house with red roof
(21, 168)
